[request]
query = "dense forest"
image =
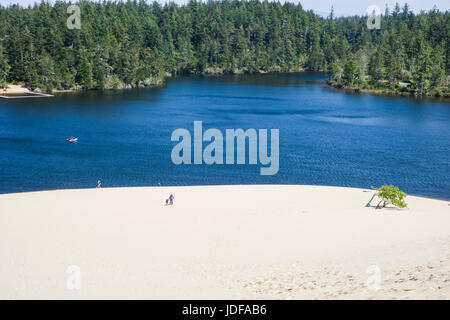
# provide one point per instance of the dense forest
(138, 43)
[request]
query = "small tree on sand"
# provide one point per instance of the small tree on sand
(389, 195)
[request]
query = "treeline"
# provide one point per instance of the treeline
(408, 54)
(137, 43)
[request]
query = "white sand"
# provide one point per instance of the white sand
(275, 242)
(14, 89)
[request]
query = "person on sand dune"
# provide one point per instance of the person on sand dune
(171, 199)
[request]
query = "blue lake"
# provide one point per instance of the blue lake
(327, 137)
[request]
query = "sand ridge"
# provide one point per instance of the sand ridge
(220, 242)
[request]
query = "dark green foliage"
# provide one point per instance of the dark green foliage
(136, 43)
(408, 54)
(352, 72)
(4, 68)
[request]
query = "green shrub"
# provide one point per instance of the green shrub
(390, 195)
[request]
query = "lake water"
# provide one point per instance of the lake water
(327, 137)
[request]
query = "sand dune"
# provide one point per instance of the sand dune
(220, 242)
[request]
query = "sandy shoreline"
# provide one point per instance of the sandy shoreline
(220, 242)
(15, 89)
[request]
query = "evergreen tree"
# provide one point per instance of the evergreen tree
(376, 66)
(4, 68)
(352, 72)
(84, 75)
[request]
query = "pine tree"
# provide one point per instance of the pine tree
(376, 66)
(84, 76)
(352, 72)
(4, 69)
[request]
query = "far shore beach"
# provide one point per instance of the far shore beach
(15, 89)
(222, 242)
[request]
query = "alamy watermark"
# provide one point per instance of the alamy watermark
(374, 17)
(74, 20)
(74, 279)
(213, 152)
(374, 280)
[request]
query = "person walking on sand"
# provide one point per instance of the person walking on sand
(171, 199)
(99, 184)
